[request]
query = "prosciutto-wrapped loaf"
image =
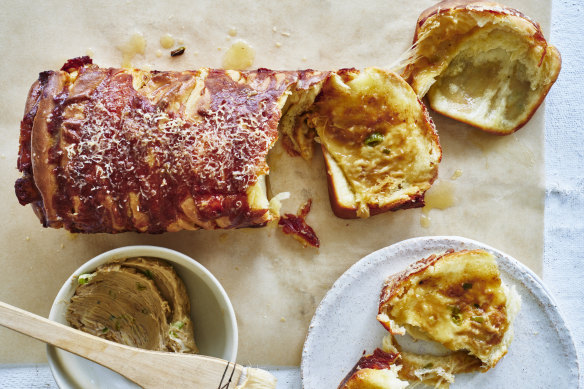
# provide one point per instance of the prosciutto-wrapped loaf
(113, 150)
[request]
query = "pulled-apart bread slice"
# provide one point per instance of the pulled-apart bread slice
(393, 368)
(456, 299)
(380, 146)
(481, 63)
(375, 371)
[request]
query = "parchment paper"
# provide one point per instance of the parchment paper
(274, 283)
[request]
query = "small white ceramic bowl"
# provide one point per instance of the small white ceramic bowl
(211, 311)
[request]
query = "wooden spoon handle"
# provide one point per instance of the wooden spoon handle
(149, 369)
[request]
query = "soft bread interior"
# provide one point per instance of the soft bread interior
(376, 379)
(257, 194)
(458, 301)
(490, 68)
(492, 82)
(298, 137)
(340, 190)
(380, 147)
(437, 371)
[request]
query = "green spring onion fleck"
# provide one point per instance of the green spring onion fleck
(374, 139)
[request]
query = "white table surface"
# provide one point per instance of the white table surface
(563, 266)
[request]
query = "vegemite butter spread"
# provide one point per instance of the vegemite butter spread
(139, 302)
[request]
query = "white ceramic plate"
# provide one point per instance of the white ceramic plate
(542, 354)
(213, 318)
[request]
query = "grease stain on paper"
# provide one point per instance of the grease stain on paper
(440, 196)
(135, 45)
(239, 56)
(166, 41)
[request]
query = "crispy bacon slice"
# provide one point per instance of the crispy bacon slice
(296, 226)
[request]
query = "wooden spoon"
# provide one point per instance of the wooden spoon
(149, 369)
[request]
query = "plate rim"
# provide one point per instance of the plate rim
(527, 275)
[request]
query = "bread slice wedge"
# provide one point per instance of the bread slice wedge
(380, 146)
(481, 63)
(456, 299)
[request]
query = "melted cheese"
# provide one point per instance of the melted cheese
(374, 128)
(457, 301)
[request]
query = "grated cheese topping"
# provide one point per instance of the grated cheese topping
(128, 141)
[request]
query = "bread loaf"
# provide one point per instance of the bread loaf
(113, 150)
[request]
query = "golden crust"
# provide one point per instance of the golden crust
(449, 31)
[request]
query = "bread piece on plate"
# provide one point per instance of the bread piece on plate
(380, 147)
(114, 150)
(481, 63)
(456, 299)
(375, 371)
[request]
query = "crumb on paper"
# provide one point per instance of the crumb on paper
(283, 319)
(178, 51)
(304, 59)
(457, 173)
(286, 34)
(278, 44)
(275, 29)
(27, 238)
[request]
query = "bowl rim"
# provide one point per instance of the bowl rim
(164, 253)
